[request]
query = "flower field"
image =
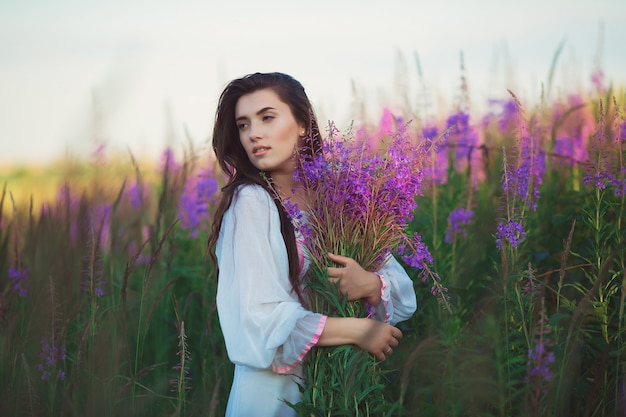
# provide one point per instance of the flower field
(107, 294)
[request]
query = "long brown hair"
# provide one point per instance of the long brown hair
(234, 161)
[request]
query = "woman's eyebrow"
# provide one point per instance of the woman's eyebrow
(263, 110)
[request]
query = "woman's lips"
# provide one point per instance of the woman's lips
(260, 150)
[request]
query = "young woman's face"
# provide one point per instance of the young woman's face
(268, 131)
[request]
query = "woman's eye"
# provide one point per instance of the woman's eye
(242, 126)
(267, 117)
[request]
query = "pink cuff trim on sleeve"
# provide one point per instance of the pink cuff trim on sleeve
(312, 342)
(384, 300)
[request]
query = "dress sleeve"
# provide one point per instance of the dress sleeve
(263, 322)
(398, 301)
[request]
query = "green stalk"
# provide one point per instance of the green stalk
(138, 343)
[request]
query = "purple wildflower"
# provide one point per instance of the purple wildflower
(19, 276)
(429, 132)
(529, 174)
(522, 179)
(619, 183)
(539, 361)
(439, 165)
(135, 195)
(193, 208)
(599, 179)
(564, 146)
(512, 231)
(415, 253)
(464, 138)
(362, 188)
(605, 165)
(508, 117)
(51, 360)
(458, 218)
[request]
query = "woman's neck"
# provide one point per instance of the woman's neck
(288, 188)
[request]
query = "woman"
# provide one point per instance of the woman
(260, 121)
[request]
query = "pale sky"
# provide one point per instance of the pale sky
(125, 70)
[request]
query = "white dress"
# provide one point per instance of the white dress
(266, 330)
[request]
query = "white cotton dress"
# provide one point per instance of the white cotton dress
(266, 330)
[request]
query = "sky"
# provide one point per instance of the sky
(143, 75)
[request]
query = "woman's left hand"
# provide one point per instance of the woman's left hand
(354, 281)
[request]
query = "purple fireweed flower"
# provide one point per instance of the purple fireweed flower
(430, 132)
(135, 195)
(298, 219)
(462, 136)
(439, 165)
(415, 253)
(539, 361)
(605, 165)
(360, 189)
(465, 140)
(619, 183)
(564, 146)
(194, 204)
(598, 179)
(522, 179)
(458, 218)
(51, 360)
(508, 117)
(21, 283)
(512, 231)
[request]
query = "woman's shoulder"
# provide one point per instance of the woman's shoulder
(252, 194)
(252, 190)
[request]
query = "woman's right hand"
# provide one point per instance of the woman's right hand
(376, 337)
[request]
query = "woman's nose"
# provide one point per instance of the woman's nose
(254, 132)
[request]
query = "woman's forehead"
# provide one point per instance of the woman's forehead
(258, 101)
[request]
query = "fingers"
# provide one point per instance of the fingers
(381, 356)
(334, 272)
(342, 260)
(388, 338)
(396, 333)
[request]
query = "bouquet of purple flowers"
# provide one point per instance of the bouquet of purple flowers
(361, 197)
